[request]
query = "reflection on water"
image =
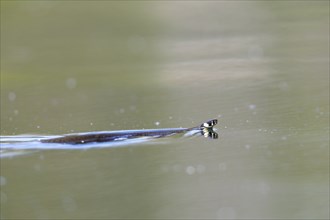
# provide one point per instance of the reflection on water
(23, 144)
(261, 67)
(17, 146)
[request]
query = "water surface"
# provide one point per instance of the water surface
(260, 68)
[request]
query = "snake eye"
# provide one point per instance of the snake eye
(209, 124)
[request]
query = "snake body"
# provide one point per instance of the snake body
(206, 129)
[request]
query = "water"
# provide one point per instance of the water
(260, 68)
(10, 145)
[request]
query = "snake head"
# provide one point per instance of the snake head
(209, 124)
(207, 129)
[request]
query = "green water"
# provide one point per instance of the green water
(261, 68)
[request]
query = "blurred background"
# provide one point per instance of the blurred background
(260, 67)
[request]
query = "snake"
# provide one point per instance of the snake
(205, 129)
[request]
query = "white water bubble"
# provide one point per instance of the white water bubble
(136, 44)
(21, 54)
(319, 111)
(68, 203)
(226, 213)
(3, 197)
(177, 168)
(264, 188)
(222, 166)
(284, 138)
(71, 83)
(54, 102)
(255, 52)
(3, 180)
(165, 168)
(132, 108)
(252, 106)
(284, 86)
(12, 96)
(37, 167)
(190, 170)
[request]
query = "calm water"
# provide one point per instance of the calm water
(261, 68)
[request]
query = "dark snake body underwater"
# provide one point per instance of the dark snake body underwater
(205, 129)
